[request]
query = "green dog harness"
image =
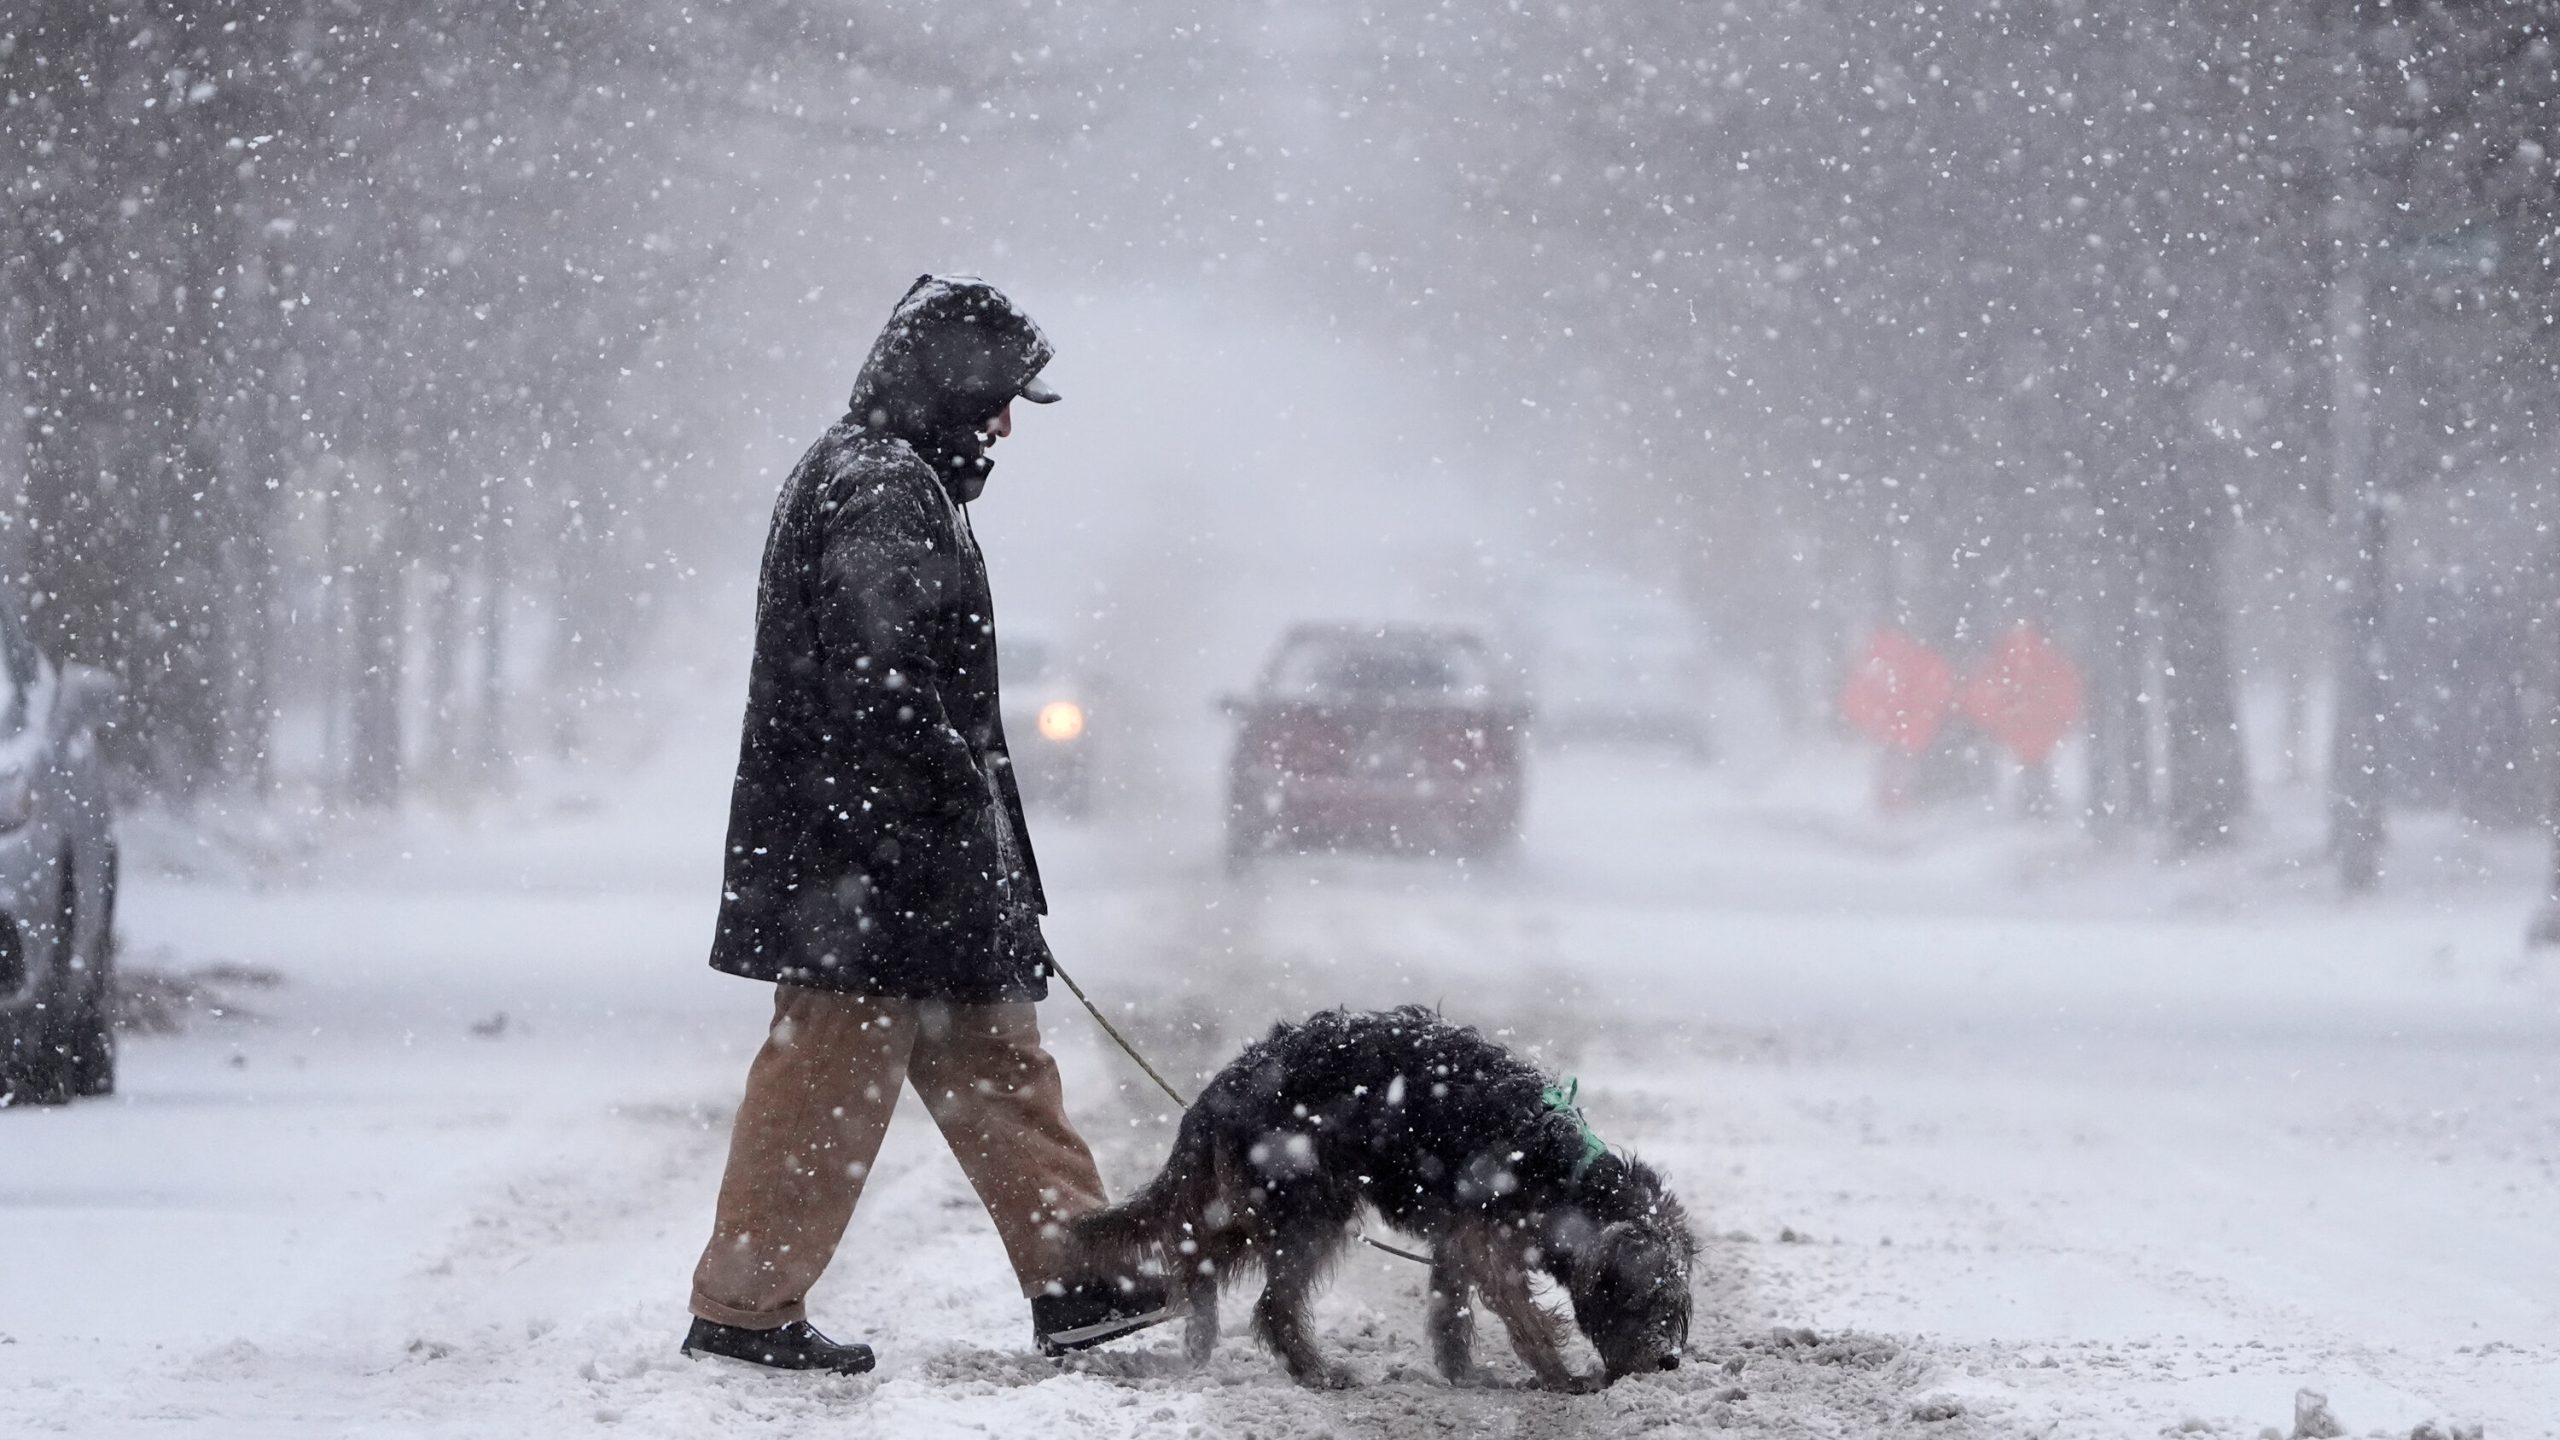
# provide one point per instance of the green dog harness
(1560, 1098)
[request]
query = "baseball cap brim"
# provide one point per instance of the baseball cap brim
(1038, 392)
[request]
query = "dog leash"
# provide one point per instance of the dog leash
(1175, 1095)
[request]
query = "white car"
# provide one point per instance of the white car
(1616, 661)
(57, 876)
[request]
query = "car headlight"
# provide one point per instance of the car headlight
(1061, 720)
(17, 799)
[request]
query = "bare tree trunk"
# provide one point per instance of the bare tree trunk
(14, 419)
(445, 723)
(2119, 719)
(2545, 927)
(2099, 780)
(256, 724)
(1944, 606)
(1828, 640)
(373, 712)
(490, 748)
(2544, 670)
(2358, 822)
(2544, 931)
(191, 517)
(2297, 627)
(2356, 778)
(337, 638)
(2140, 697)
(2207, 761)
(2107, 622)
(2294, 720)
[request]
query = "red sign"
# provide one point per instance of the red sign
(1897, 694)
(2025, 694)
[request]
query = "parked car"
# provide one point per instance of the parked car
(57, 876)
(1616, 662)
(1391, 736)
(1053, 711)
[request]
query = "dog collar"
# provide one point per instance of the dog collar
(1560, 1098)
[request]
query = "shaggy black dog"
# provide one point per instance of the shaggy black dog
(1450, 1137)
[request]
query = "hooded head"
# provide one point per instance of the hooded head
(954, 353)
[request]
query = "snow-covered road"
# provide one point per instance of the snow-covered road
(2047, 1144)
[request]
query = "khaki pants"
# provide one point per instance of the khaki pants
(819, 1097)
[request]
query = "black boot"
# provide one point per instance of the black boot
(795, 1346)
(1089, 1312)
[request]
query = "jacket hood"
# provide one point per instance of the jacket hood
(955, 351)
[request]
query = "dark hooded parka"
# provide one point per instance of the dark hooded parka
(876, 838)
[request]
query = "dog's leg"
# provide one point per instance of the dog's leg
(1453, 1316)
(1200, 1273)
(1297, 1260)
(1536, 1334)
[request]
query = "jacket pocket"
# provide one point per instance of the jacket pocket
(934, 881)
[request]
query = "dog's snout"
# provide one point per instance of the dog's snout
(1671, 1362)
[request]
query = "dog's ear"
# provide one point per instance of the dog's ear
(1612, 1250)
(1662, 1209)
(1671, 1218)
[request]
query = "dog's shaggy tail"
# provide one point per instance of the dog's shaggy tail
(1119, 1239)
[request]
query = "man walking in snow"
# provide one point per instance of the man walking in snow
(879, 871)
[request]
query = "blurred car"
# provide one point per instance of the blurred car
(57, 876)
(1395, 736)
(1617, 662)
(1050, 712)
